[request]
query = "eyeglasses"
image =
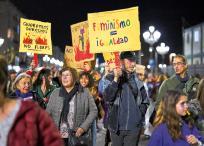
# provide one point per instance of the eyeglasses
(66, 75)
(25, 83)
(178, 63)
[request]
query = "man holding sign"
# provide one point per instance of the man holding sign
(127, 99)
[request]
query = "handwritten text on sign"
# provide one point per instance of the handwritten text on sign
(35, 37)
(114, 31)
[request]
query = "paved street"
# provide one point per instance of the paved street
(101, 139)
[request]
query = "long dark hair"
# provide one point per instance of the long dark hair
(45, 72)
(89, 76)
(166, 113)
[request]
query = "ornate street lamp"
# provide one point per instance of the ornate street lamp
(162, 50)
(151, 37)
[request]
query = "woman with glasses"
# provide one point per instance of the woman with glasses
(173, 127)
(22, 86)
(22, 89)
(72, 108)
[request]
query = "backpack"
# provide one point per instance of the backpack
(190, 88)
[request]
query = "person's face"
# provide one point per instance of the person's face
(12, 76)
(32, 64)
(129, 65)
(50, 77)
(24, 85)
(140, 76)
(34, 78)
(111, 67)
(87, 67)
(107, 68)
(179, 66)
(182, 106)
(67, 79)
(84, 81)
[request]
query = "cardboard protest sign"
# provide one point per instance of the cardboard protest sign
(140, 69)
(35, 37)
(114, 31)
(69, 58)
(80, 42)
(112, 59)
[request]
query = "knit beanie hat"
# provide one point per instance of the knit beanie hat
(19, 77)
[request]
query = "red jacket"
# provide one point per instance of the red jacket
(33, 127)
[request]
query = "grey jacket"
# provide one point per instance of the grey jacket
(85, 108)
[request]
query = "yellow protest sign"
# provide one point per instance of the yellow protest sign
(114, 31)
(69, 58)
(35, 37)
(80, 41)
(112, 59)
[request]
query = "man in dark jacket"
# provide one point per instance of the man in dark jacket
(127, 101)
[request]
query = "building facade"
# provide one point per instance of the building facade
(193, 44)
(10, 30)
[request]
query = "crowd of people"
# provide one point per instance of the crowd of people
(39, 107)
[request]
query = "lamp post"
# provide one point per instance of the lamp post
(151, 36)
(162, 50)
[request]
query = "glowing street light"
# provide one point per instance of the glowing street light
(162, 50)
(52, 61)
(151, 36)
(46, 58)
(29, 54)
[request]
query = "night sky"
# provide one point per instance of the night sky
(168, 16)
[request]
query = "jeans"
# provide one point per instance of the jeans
(125, 138)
